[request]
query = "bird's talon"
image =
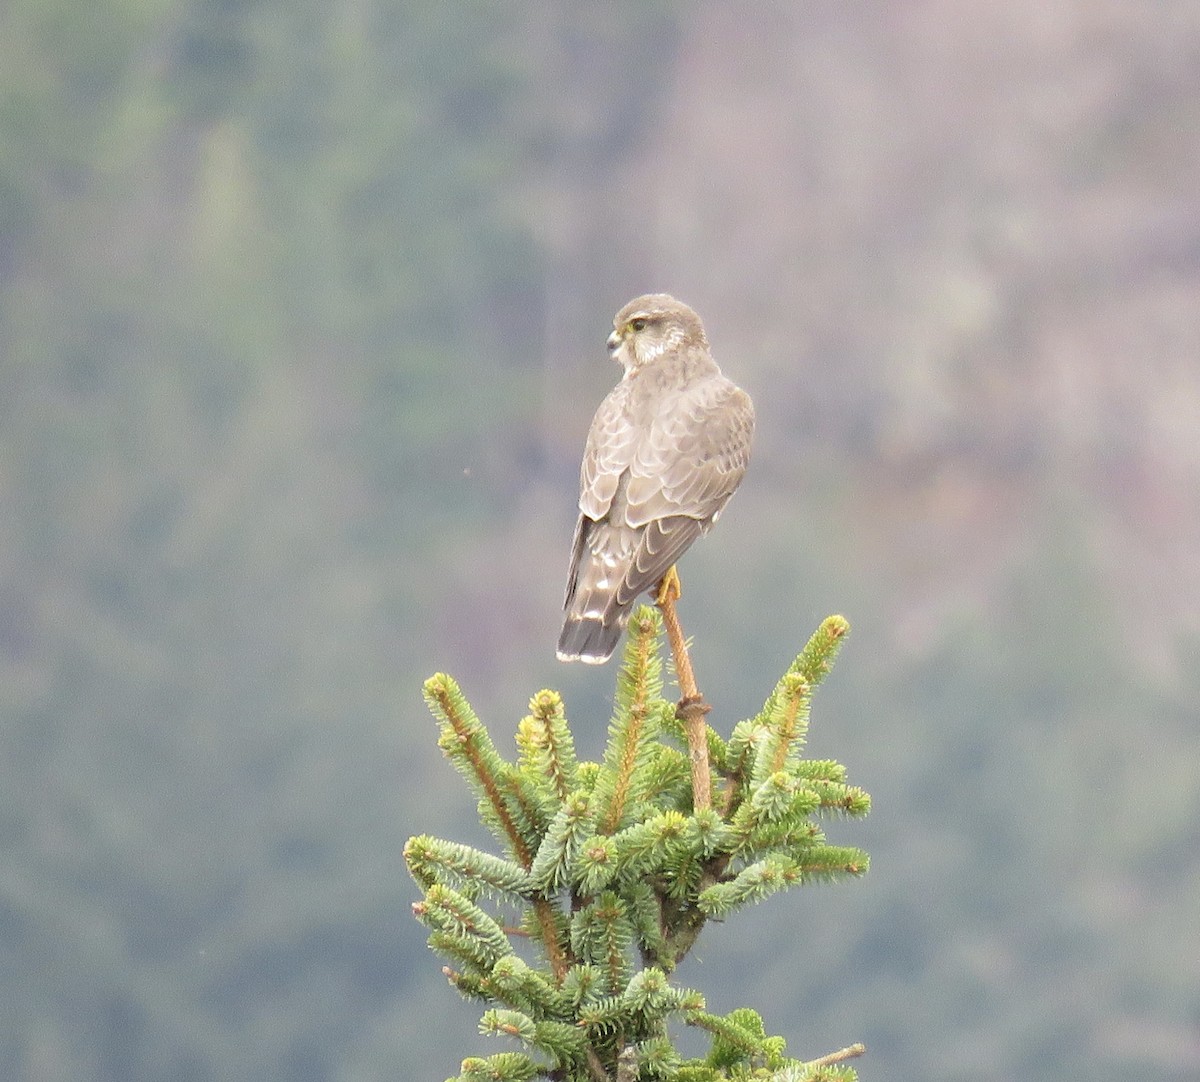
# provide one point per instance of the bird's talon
(669, 589)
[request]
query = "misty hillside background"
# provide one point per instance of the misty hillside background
(302, 313)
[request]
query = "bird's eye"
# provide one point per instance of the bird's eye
(637, 325)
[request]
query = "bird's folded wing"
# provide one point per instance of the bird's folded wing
(611, 445)
(661, 544)
(694, 457)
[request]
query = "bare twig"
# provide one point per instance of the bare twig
(849, 1052)
(692, 708)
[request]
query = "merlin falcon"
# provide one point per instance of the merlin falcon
(666, 450)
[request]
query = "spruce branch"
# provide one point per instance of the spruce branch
(740, 1040)
(786, 724)
(547, 748)
(601, 936)
(518, 985)
(618, 866)
(647, 847)
(506, 1067)
(596, 866)
(465, 950)
(565, 1043)
(431, 860)
(635, 723)
(450, 913)
(549, 930)
(751, 884)
(561, 842)
(468, 746)
(812, 664)
(469, 985)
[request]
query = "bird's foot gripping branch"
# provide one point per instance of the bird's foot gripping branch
(609, 874)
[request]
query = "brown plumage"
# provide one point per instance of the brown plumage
(666, 450)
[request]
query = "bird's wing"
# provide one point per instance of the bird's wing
(611, 446)
(660, 545)
(683, 474)
(694, 456)
(595, 553)
(664, 486)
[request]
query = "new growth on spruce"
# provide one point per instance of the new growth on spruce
(609, 874)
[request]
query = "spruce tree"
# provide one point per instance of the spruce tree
(610, 870)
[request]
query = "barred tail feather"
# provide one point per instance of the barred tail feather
(589, 638)
(595, 615)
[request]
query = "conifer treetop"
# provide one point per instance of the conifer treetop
(609, 872)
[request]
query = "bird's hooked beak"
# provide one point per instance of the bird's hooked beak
(614, 342)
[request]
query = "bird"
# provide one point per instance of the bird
(666, 450)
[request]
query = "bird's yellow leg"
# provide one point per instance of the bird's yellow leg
(669, 589)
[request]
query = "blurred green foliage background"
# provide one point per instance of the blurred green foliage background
(302, 310)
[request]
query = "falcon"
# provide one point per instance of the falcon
(667, 449)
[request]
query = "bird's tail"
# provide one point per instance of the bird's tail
(590, 638)
(595, 616)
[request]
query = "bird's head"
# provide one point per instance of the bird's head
(650, 326)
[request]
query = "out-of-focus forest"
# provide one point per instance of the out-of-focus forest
(302, 320)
